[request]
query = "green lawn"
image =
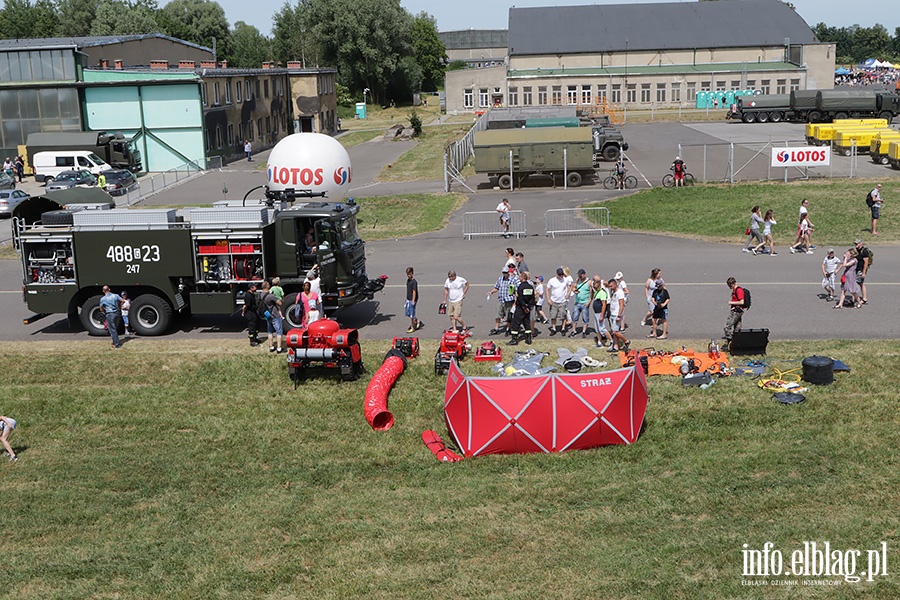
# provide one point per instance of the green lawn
(386, 217)
(717, 212)
(188, 470)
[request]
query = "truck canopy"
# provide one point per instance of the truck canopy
(81, 140)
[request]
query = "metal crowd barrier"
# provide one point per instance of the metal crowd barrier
(488, 223)
(576, 220)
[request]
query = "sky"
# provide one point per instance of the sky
(494, 14)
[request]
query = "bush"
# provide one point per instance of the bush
(415, 122)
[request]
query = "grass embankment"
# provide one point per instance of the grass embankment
(721, 213)
(426, 160)
(184, 469)
(386, 217)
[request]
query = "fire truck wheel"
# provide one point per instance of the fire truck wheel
(150, 315)
(292, 309)
(91, 317)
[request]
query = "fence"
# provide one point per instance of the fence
(576, 221)
(730, 162)
(152, 184)
(457, 154)
(488, 223)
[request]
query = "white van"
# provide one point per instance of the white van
(47, 165)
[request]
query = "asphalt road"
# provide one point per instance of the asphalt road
(785, 288)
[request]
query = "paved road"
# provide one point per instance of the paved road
(785, 288)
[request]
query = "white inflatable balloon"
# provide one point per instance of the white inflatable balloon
(310, 161)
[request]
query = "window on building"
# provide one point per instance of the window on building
(781, 86)
(268, 124)
(601, 92)
(586, 94)
(542, 95)
(229, 132)
(484, 99)
(206, 139)
(526, 95)
(705, 86)
(764, 86)
(469, 98)
(204, 92)
(720, 85)
(216, 93)
(513, 96)
(661, 92)
(691, 91)
(228, 93)
(239, 96)
(751, 84)
(266, 89)
(616, 94)
(240, 137)
(259, 129)
(676, 92)
(631, 93)
(275, 124)
(219, 137)
(795, 84)
(249, 89)
(250, 130)
(257, 89)
(645, 93)
(556, 95)
(572, 94)
(280, 83)
(735, 84)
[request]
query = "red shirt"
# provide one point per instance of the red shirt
(737, 295)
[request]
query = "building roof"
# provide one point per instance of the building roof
(697, 69)
(90, 41)
(467, 39)
(654, 26)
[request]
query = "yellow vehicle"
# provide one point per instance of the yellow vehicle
(825, 133)
(894, 154)
(878, 151)
(862, 139)
(811, 127)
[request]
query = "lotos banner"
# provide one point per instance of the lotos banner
(806, 156)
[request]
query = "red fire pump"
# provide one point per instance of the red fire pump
(324, 342)
(453, 345)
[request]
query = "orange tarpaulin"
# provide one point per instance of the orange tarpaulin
(666, 363)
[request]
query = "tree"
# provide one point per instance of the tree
(118, 17)
(197, 21)
(363, 39)
(429, 51)
(16, 19)
(76, 17)
(249, 48)
(290, 38)
(45, 19)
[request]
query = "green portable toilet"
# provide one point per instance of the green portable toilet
(360, 110)
(729, 97)
(702, 99)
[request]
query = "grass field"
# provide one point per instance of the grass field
(184, 470)
(721, 213)
(386, 217)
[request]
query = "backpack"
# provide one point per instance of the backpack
(746, 299)
(869, 201)
(871, 256)
(679, 166)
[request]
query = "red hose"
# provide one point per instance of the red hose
(375, 407)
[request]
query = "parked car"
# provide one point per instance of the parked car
(7, 182)
(118, 181)
(9, 200)
(69, 179)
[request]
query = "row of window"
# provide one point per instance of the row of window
(587, 94)
(241, 87)
(245, 131)
(37, 65)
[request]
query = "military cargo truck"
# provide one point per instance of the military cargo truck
(197, 262)
(114, 148)
(813, 106)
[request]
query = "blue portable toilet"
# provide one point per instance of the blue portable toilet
(360, 110)
(702, 99)
(729, 98)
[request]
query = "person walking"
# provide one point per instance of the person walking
(539, 299)
(753, 234)
(649, 286)
(616, 316)
(505, 288)
(247, 149)
(250, 311)
(769, 221)
(736, 309)
(623, 287)
(20, 168)
(110, 306)
(7, 424)
(455, 290)
(523, 305)
(600, 307)
(849, 284)
(803, 228)
(126, 310)
(863, 264)
(660, 310)
(412, 298)
(829, 267)
(503, 208)
(311, 305)
(877, 201)
(101, 182)
(271, 307)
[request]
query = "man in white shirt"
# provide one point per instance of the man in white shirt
(455, 290)
(558, 289)
(829, 266)
(616, 314)
(503, 209)
(876, 208)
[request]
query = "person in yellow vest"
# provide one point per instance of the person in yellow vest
(101, 181)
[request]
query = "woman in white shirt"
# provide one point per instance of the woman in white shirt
(767, 234)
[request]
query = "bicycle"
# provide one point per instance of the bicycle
(669, 180)
(614, 182)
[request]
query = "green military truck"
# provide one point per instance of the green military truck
(197, 262)
(561, 153)
(114, 148)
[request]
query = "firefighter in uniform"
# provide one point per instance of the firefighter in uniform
(522, 307)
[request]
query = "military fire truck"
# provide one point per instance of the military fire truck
(197, 260)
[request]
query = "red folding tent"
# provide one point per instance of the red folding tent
(545, 413)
